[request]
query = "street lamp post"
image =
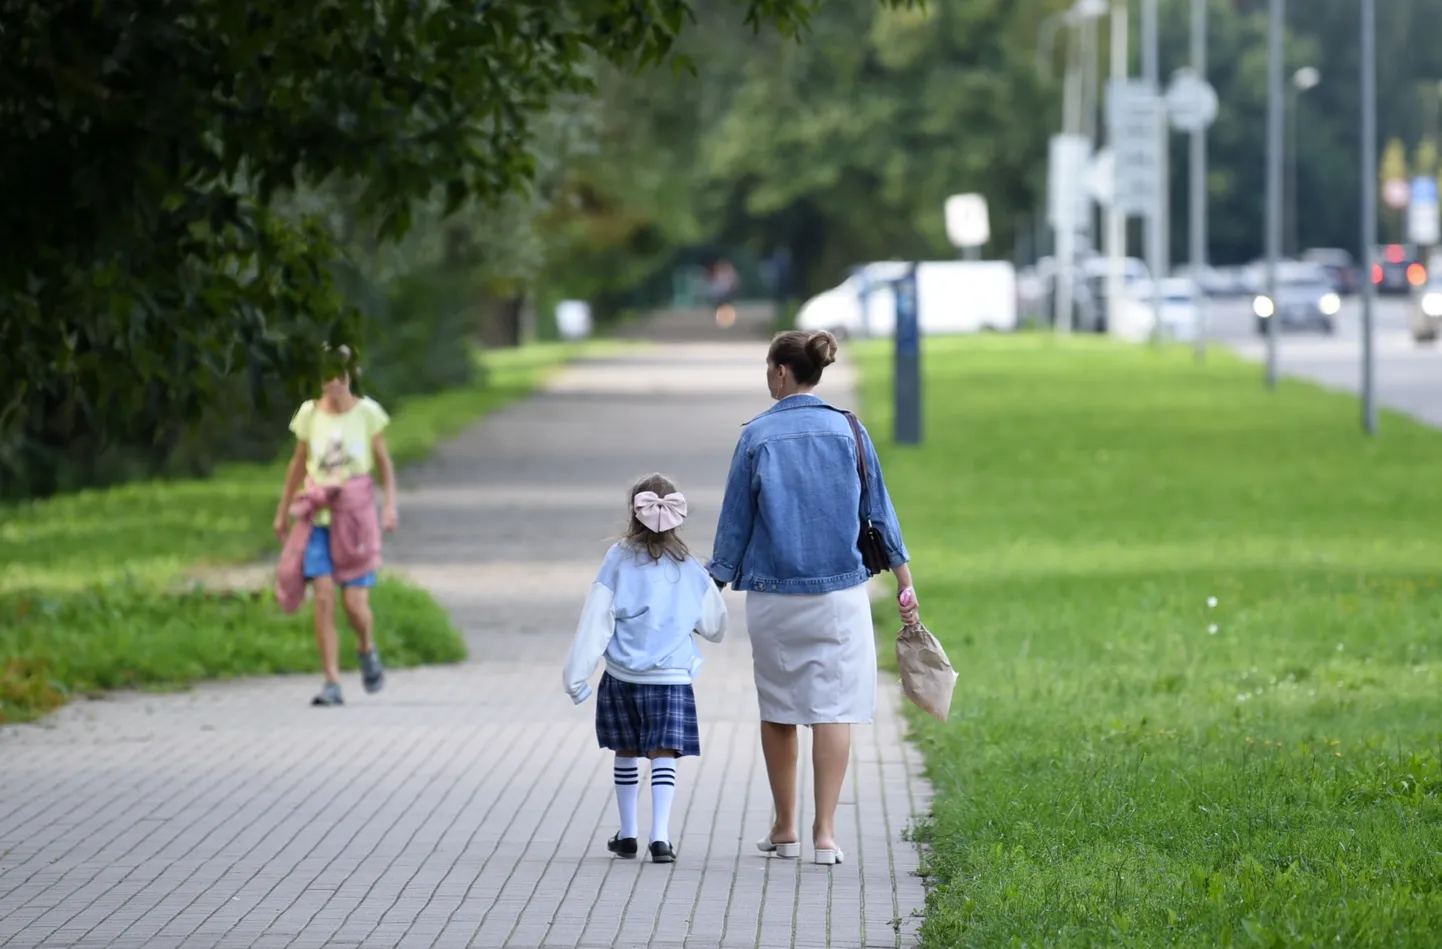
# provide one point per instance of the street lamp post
(1369, 208)
(1275, 102)
(1303, 80)
(1156, 224)
(1078, 16)
(1198, 215)
(1116, 221)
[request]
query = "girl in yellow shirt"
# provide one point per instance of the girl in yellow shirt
(339, 437)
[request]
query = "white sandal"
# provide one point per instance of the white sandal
(791, 849)
(831, 857)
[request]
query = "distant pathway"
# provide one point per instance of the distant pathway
(466, 805)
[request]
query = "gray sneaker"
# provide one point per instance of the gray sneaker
(373, 677)
(329, 695)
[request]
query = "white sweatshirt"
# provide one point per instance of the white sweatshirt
(640, 616)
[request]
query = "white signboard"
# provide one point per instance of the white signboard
(573, 319)
(1067, 200)
(967, 224)
(1422, 220)
(1101, 176)
(1134, 127)
(1191, 101)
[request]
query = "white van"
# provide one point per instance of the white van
(953, 297)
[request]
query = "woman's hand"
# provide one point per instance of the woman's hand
(907, 606)
(282, 523)
(389, 518)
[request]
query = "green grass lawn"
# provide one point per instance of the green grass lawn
(1127, 765)
(88, 596)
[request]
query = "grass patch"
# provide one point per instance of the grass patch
(125, 636)
(1126, 764)
(86, 579)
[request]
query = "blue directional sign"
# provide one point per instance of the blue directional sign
(1422, 218)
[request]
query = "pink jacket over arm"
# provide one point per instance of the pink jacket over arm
(355, 537)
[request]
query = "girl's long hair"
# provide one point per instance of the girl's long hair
(640, 538)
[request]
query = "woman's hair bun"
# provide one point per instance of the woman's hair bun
(821, 348)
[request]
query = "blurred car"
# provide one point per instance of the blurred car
(1181, 308)
(1096, 278)
(1396, 269)
(1209, 280)
(1232, 281)
(1253, 277)
(1305, 300)
(952, 296)
(1338, 266)
(1426, 310)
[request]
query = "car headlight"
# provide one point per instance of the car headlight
(1262, 306)
(1330, 304)
(1432, 304)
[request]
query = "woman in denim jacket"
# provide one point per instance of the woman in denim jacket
(788, 537)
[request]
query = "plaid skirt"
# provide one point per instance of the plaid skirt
(645, 718)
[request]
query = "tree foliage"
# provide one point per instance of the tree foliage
(842, 149)
(145, 145)
(839, 149)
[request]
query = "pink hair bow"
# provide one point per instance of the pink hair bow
(660, 514)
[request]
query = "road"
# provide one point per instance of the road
(1409, 376)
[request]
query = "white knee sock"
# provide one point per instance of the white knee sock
(628, 791)
(663, 792)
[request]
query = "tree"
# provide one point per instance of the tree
(841, 149)
(145, 145)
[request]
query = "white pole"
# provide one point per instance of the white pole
(1369, 210)
(1090, 67)
(1116, 221)
(1157, 221)
(1199, 179)
(1067, 199)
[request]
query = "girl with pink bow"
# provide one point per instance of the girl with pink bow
(649, 598)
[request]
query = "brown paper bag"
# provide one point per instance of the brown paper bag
(926, 674)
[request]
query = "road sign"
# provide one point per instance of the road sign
(1134, 117)
(1422, 219)
(1067, 201)
(967, 224)
(1191, 101)
(1101, 176)
(1396, 192)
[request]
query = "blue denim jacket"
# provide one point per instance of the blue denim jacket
(792, 509)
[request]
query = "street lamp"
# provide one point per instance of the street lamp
(1082, 11)
(1304, 79)
(1276, 21)
(1369, 209)
(1080, 14)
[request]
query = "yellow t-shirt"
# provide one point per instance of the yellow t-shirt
(338, 446)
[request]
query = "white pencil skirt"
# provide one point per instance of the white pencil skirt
(814, 657)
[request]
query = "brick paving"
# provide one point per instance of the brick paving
(465, 805)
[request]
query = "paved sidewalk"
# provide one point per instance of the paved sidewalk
(466, 805)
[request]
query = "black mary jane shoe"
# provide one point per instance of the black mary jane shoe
(622, 846)
(662, 852)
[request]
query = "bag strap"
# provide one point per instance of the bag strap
(860, 465)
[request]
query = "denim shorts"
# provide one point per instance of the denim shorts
(318, 562)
